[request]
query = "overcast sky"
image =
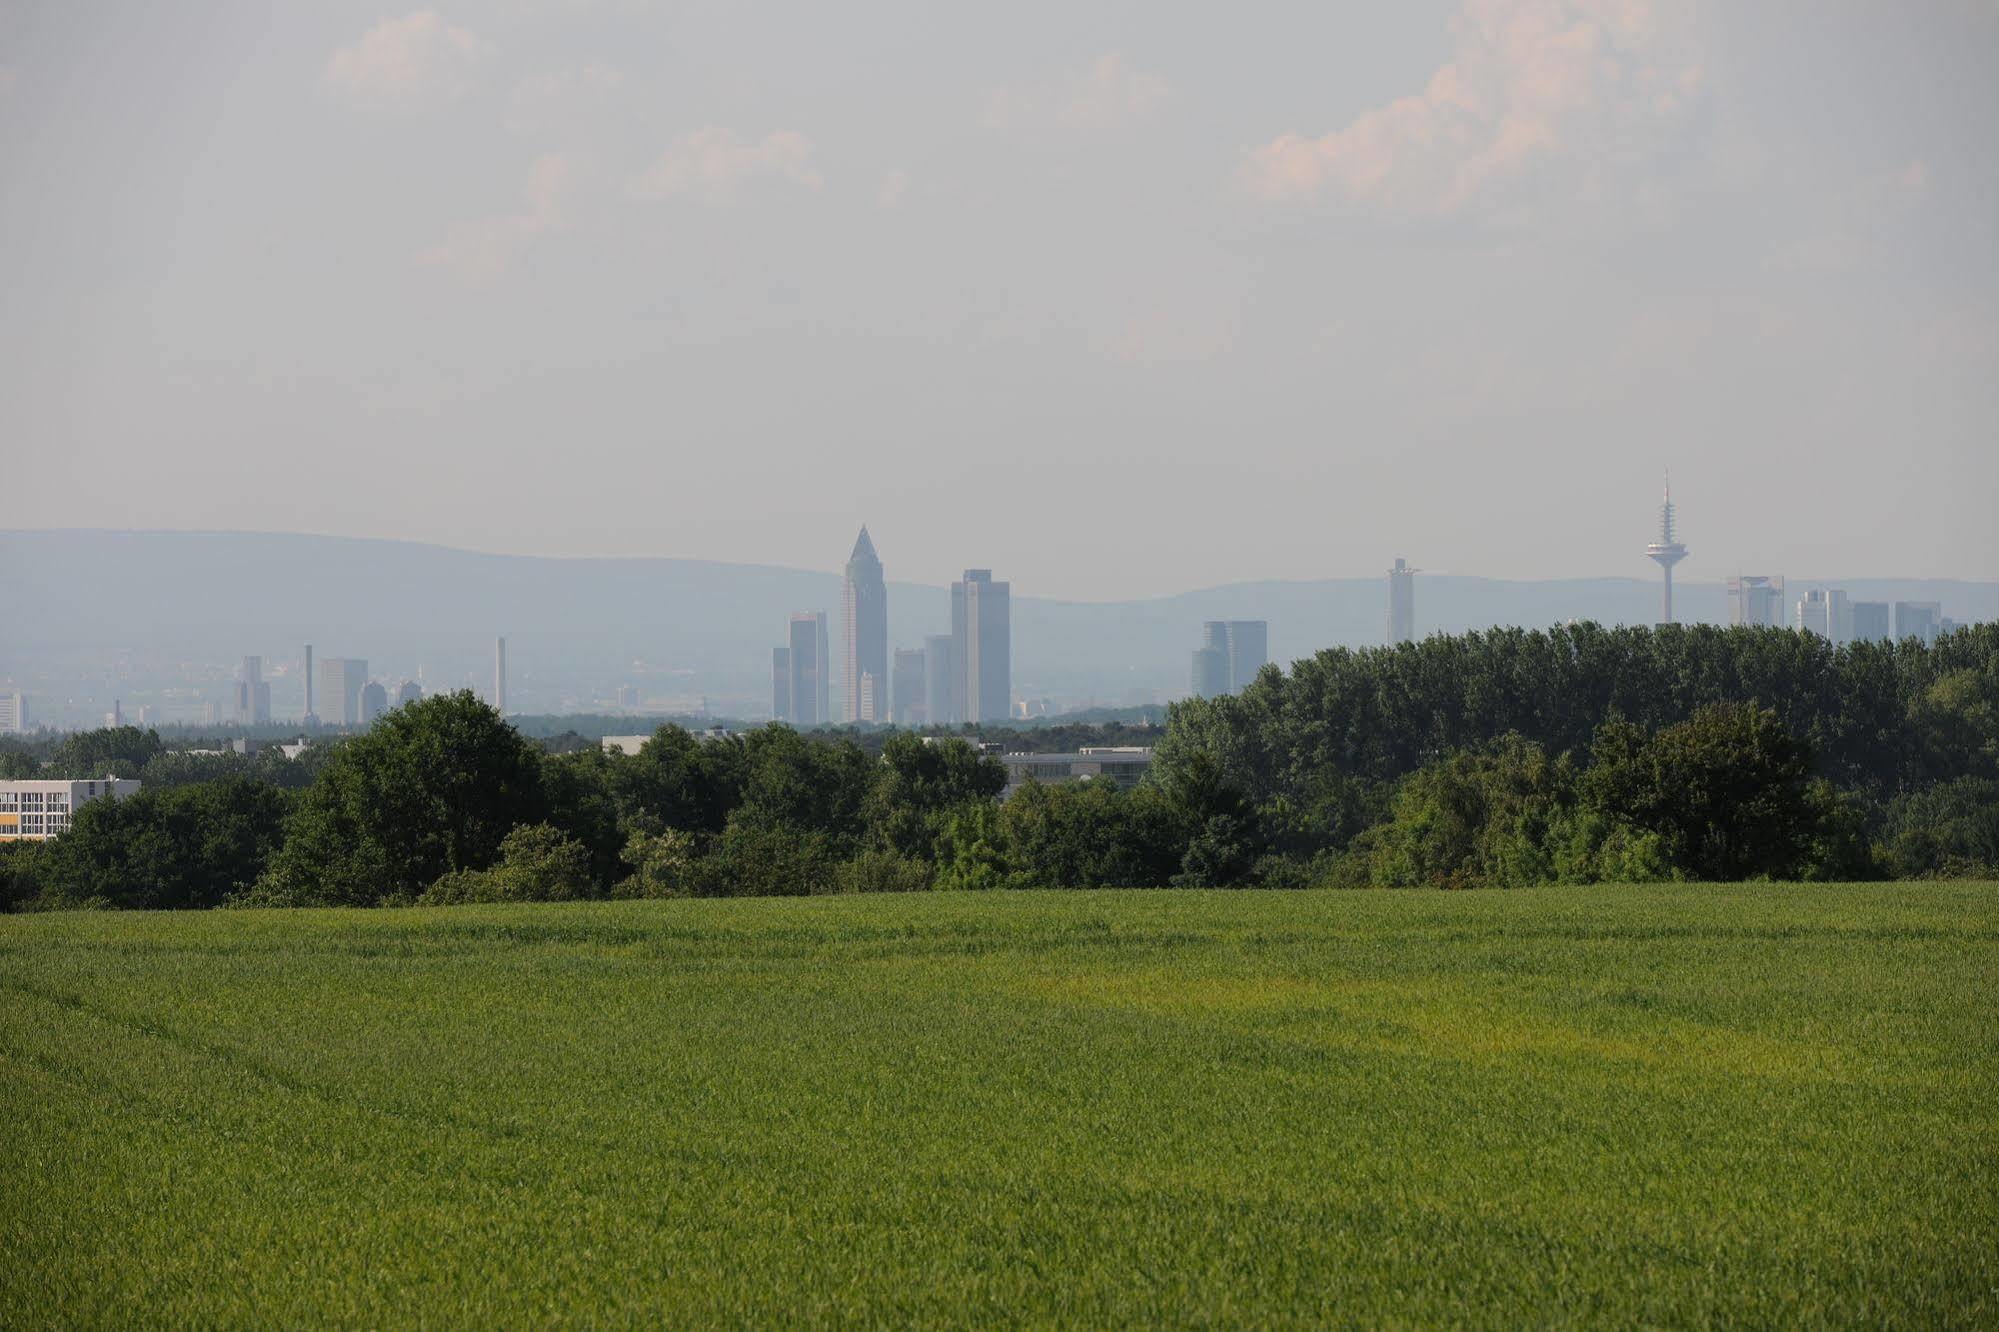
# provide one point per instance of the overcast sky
(1117, 299)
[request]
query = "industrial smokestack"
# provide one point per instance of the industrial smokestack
(500, 675)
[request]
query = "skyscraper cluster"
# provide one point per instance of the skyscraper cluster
(965, 676)
(1230, 655)
(800, 673)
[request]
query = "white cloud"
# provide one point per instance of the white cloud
(481, 252)
(710, 165)
(1109, 95)
(1529, 83)
(412, 61)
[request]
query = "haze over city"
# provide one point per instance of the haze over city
(1120, 302)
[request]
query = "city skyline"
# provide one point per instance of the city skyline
(1258, 278)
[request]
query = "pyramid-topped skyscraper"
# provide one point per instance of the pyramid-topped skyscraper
(864, 611)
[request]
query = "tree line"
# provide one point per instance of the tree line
(1579, 754)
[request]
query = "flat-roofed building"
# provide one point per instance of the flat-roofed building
(340, 681)
(810, 680)
(1756, 600)
(1870, 622)
(908, 696)
(780, 684)
(34, 811)
(981, 648)
(253, 694)
(1920, 620)
(940, 674)
(13, 713)
(1402, 603)
(1122, 765)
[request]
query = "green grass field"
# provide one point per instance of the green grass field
(1667, 1105)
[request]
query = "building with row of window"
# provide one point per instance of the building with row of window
(34, 811)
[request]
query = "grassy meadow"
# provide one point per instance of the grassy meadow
(1748, 1104)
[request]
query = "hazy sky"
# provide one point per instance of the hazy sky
(1117, 299)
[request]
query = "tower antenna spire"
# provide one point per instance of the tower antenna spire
(1667, 550)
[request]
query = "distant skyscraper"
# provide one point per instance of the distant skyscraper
(940, 682)
(1823, 611)
(864, 616)
(780, 684)
(982, 645)
(1249, 651)
(1869, 622)
(1756, 600)
(408, 692)
(13, 713)
(1230, 655)
(1920, 620)
(907, 695)
(1211, 661)
(374, 701)
(810, 685)
(1402, 603)
(1666, 552)
(253, 695)
(500, 676)
(308, 716)
(340, 681)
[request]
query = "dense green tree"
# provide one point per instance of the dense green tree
(679, 781)
(661, 865)
(432, 788)
(758, 857)
(121, 751)
(20, 874)
(1483, 817)
(1091, 835)
(582, 791)
(805, 785)
(537, 864)
(1729, 791)
(1951, 828)
(191, 846)
(914, 783)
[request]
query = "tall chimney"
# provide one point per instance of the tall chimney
(500, 675)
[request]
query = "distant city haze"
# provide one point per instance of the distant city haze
(1118, 300)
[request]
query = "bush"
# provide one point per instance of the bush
(874, 871)
(20, 882)
(754, 858)
(433, 788)
(190, 846)
(1952, 829)
(537, 864)
(661, 863)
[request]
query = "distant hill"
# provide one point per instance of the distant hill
(573, 623)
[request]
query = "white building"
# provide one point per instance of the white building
(13, 713)
(1757, 599)
(37, 811)
(1826, 612)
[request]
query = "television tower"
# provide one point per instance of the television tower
(1667, 550)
